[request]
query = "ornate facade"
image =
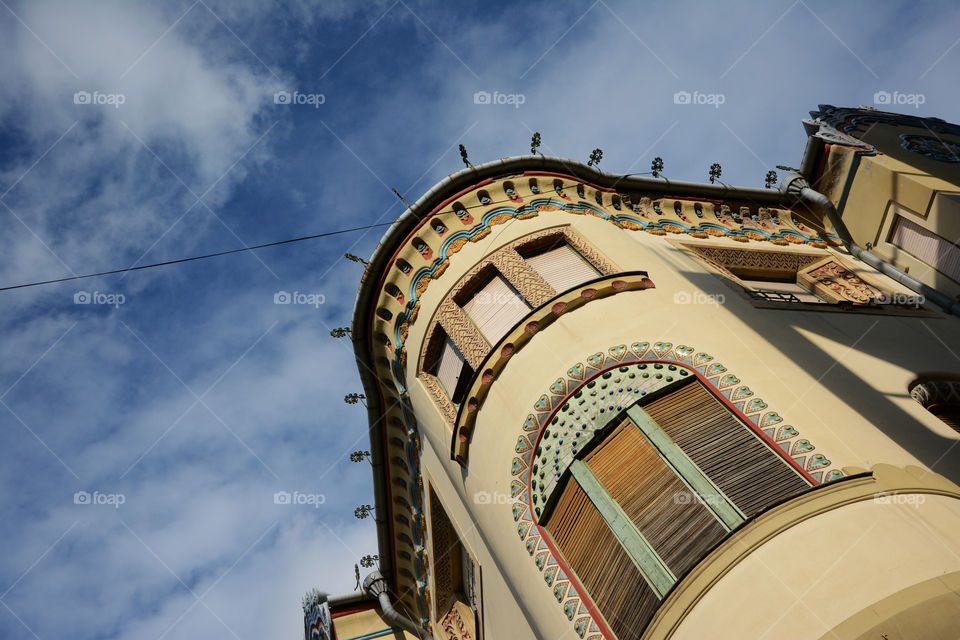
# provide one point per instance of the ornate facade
(525, 339)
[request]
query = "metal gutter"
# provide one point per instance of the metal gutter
(796, 186)
(376, 585)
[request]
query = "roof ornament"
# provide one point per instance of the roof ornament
(595, 156)
(656, 167)
(715, 171)
(353, 258)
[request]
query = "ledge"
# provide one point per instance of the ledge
(878, 484)
(521, 333)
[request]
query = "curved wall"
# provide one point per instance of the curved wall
(839, 378)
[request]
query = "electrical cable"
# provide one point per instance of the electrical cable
(191, 259)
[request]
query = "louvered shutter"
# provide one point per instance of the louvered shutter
(735, 459)
(496, 308)
(449, 367)
(606, 571)
(563, 268)
(675, 523)
(926, 245)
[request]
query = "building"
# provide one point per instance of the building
(627, 407)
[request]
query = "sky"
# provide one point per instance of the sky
(148, 419)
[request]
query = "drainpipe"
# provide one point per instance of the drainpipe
(796, 187)
(376, 585)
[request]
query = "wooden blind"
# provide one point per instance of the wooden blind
(948, 412)
(606, 571)
(734, 458)
(449, 367)
(939, 253)
(675, 523)
(446, 561)
(496, 308)
(563, 268)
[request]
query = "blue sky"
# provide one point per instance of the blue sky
(198, 398)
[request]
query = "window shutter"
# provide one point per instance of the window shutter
(496, 308)
(563, 268)
(675, 523)
(449, 367)
(735, 459)
(927, 246)
(602, 565)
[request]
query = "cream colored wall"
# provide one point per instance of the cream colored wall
(364, 622)
(814, 576)
(884, 187)
(840, 379)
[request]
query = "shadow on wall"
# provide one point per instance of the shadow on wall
(870, 335)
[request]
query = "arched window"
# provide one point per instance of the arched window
(941, 398)
(636, 500)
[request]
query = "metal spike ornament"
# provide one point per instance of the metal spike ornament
(595, 156)
(656, 167)
(353, 398)
(715, 171)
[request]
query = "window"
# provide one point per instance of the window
(451, 370)
(654, 492)
(798, 277)
(785, 290)
(562, 267)
(456, 575)
(495, 308)
(926, 245)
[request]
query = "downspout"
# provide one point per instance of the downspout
(376, 585)
(796, 187)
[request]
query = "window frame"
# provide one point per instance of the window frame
(655, 572)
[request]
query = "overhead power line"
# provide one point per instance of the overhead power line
(191, 259)
(242, 249)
